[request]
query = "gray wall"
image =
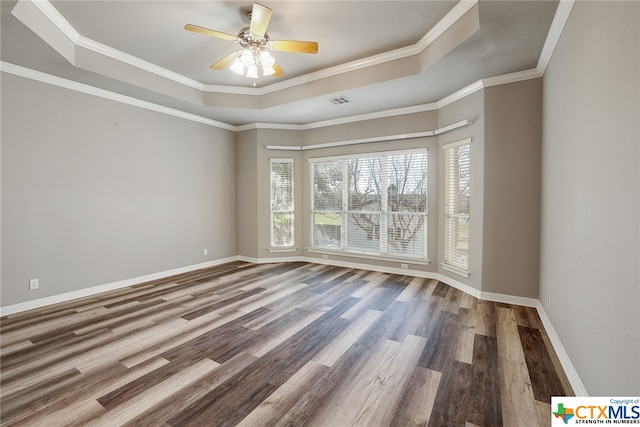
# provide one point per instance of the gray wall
(590, 195)
(511, 230)
(253, 186)
(95, 191)
(470, 107)
(393, 125)
(135, 162)
(247, 193)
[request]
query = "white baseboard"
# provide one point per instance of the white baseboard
(487, 296)
(508, 299)
(68, 296)
(568, 367)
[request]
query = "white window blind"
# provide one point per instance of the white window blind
(282, 204)
(457, 205)
(374, 204)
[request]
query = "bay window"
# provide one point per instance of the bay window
(373, 204)
(457, 186)
(282, 204)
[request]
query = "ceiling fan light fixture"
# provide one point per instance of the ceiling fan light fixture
(267, 71)
(254, 40)
(252, 62)
(252, 71)
(266, 59)
(247, 58)
(237, 67)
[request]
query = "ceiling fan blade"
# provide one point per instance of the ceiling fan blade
(260, 16)
(208, 32)
(279, 70)
(294, 46)
(226, 60)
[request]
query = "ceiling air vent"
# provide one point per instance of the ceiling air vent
(338, 100)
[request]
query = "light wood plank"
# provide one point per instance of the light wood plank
(155, 395)
(286, 334)
(278, 403)
(370, 398)
(331, 353)
(518, 402)
(78, 403)
(417, 403)
(411, 290)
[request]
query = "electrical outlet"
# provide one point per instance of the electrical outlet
(205, 251)
(404, 266)
(549, 299)
(325, 256)
(33, 284)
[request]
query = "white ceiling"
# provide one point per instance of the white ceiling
(404, 53)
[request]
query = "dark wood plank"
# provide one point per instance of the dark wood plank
(452, 399)
(441, 290)
(544, 379)
(484, 407)
(441, 343)
(221, 303)
(182, 399)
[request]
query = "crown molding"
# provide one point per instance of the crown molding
(511, 78)
(28, 73)
(414, 135)
(56, 18)
(91, 90)
(373, 116)
(134, 61)
(276, 126)
(52, 14)
(343, 120)
(458, 11)
(457, 95)
(557, 26)
(39, 76)
(463, 6)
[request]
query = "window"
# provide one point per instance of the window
(374, 204)
(457, 182)
(282, 204)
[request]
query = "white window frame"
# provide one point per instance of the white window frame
(273, 247)
(344, 211)
(452, 216)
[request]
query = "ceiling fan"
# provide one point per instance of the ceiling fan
(256, 44)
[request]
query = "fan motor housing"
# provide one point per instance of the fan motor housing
(248, 40)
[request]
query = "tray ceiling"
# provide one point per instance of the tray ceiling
(380, 55)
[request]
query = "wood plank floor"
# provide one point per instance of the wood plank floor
(289, 344)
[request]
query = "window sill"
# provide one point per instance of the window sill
(283, 250)
(456, 270)
(372, 256)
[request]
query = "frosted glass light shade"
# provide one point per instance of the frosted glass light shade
(237, 67)
(252, 71)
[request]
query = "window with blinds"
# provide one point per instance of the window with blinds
(457, 188)
(282, 204)
(373, 204)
